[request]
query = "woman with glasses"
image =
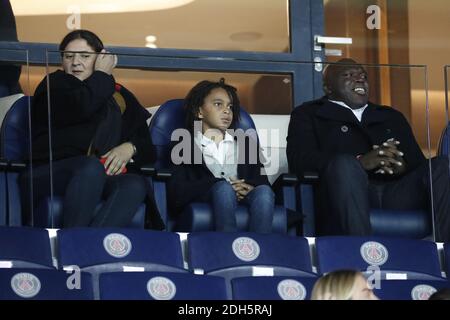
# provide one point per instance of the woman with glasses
(99, 138)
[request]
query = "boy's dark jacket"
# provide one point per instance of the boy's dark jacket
(192, 182)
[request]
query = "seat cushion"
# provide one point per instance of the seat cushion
(414, 224)
(46, 208)
(198, 217)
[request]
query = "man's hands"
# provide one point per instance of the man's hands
(386, 158)
(241, 188)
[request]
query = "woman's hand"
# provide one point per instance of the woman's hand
(105, 62)
(117, 158)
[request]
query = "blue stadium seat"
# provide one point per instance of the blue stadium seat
(396, 257)
(4, 105)
(242, 254)
(15, 149)
(272, 288)
(25, 247)
(160, 286)
(44, 284)
(98, 250)
(409, 289)
(197, 216)
(117, 247)
(14, 142)
(237, 253)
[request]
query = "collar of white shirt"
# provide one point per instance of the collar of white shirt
(357, 112)
(211, 149)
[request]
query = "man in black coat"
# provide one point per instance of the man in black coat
(366, 157)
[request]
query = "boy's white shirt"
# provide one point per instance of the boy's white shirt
(220, 159)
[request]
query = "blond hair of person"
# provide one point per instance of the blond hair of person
(342, 285)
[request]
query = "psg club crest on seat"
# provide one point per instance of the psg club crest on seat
(161, 288)
(245, 249)
(422, 292)
(289, 289)
(25, 285)
(117, 245)
(374, 253)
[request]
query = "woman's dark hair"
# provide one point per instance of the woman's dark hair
(196, 98)
(91, 38)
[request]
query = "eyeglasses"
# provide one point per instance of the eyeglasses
(80, 55)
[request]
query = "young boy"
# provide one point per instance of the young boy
(225, 174)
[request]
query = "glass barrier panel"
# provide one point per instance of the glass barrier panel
(267, 97)
(182, 24)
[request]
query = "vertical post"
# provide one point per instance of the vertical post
(383, 55)
(305, 20)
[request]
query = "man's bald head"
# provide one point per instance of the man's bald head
(346, 81)
(332, 70)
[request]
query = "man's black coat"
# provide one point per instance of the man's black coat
(320, 129)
